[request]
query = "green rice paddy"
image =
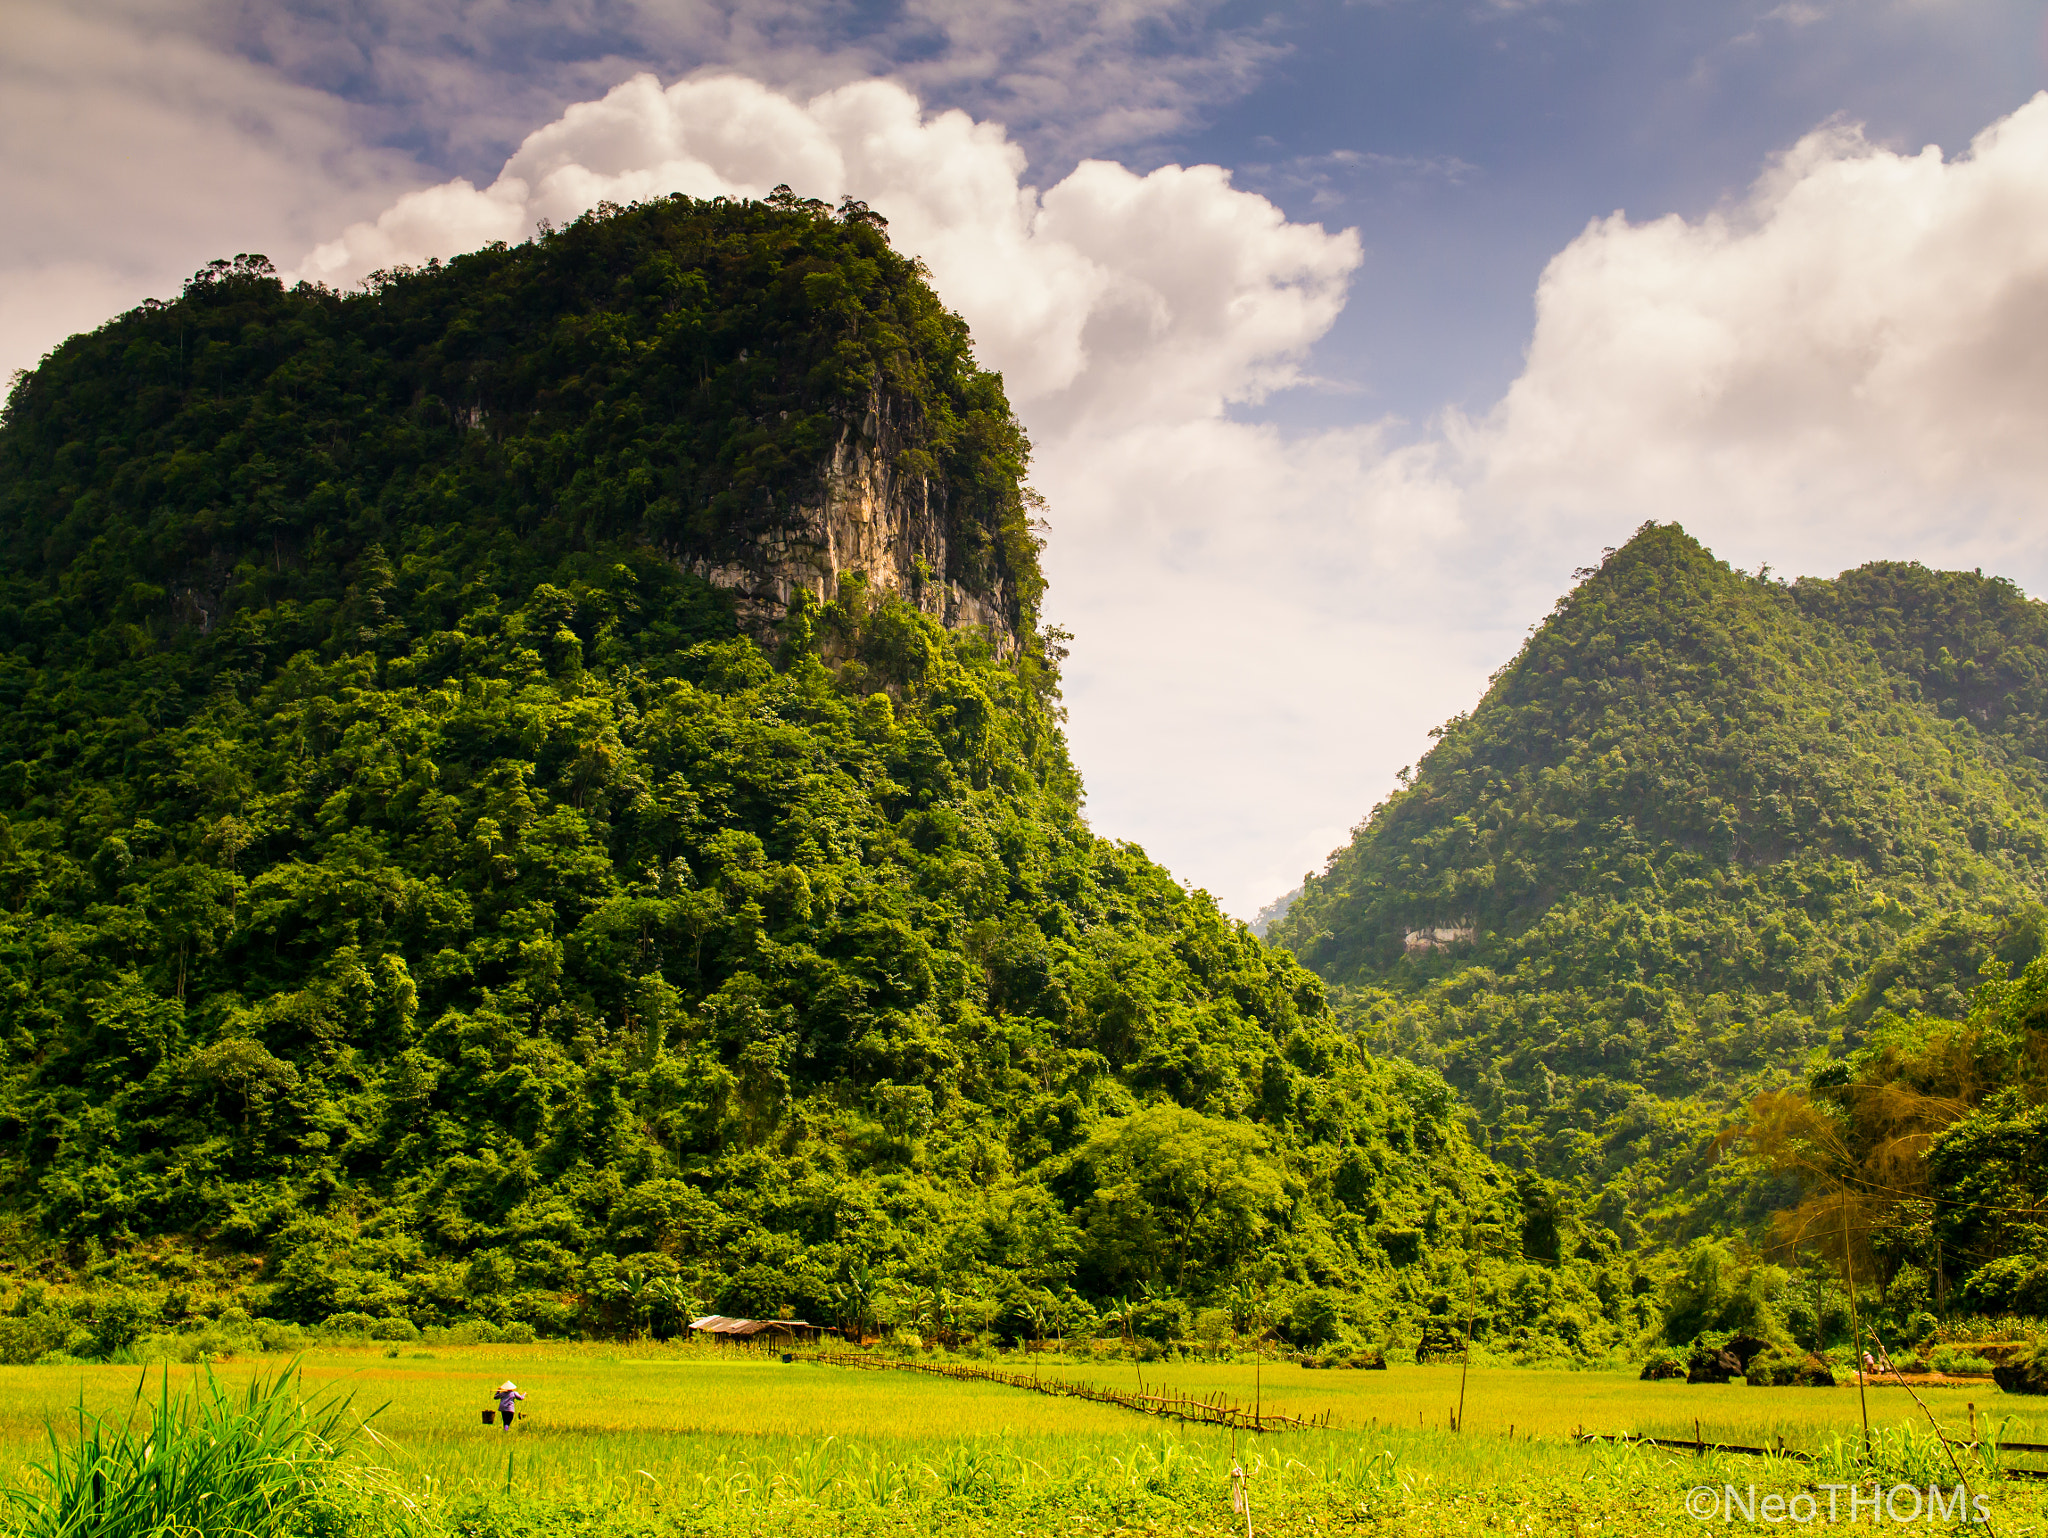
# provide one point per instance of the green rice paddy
(651, 1438)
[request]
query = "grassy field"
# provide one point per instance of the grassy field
(628, 1440)
(1551, 1404)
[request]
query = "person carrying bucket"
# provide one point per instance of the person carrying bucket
(507, 1395)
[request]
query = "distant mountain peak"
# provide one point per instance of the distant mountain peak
(1689, 815)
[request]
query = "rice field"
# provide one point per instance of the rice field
(1501, 1401)
(634, 1439)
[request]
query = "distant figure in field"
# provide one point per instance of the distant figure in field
(508, 1396)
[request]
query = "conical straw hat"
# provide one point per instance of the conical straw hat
(507, 1384)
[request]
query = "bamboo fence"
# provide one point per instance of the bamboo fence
(1212, 1411)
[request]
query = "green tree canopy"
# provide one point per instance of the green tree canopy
(418, 897)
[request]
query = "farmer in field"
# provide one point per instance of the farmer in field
(508, 1396)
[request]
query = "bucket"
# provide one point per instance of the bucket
(489, 1416)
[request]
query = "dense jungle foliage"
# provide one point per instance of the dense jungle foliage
(1704, 831)
(420, 904)
(1922, 1150)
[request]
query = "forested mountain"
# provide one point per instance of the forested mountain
(1698, 835)
(1924, 1149)
(535, 791)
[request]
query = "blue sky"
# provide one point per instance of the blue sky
(1318, 447)
(1500, 132)
(1487, 137)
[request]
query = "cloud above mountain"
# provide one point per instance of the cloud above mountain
(1849, 362)
(125, 137)
(144, 137)
(1109, 297)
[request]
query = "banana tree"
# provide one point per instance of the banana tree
(853, 1299)
(1122, 1313)
(940, 1315)
(664, 1305)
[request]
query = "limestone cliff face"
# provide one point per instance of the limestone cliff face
(872, 516)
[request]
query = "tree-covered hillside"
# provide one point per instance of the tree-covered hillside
(1974, 648)
(418, 898)
(674, 379)
(1923, 1149)
(1672, 842)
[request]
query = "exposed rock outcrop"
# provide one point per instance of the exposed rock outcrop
(1711, 1365)
(1438, 938)
(2024, 1373)
(878, 516)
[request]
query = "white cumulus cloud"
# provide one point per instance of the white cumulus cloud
(1846, 363)
(1137, 297)
(1850, 363)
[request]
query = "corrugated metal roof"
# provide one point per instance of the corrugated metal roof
(720, 1324)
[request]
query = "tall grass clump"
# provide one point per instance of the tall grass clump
(254, 1464)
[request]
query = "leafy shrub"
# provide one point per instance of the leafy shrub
(276, 1338)
(1316, 1318)
(1403, 1246)
(548, 1314)
(1717, 1291)
(1779, 1367)
(1350, 1359)
(1161, 1319)
(1998, 1286)
(1970, 1328)
(208, 1343)
(1947, 1359)
(394, 1329)
(1439, 1341)
(471, 1332)
(117, 1320)
(1709, 1362)
(23, 1341)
